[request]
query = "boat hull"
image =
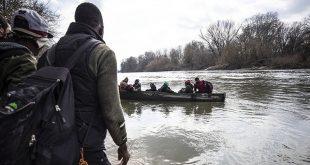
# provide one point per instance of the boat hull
(163, 96)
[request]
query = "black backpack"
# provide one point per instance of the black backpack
(209, 87)
(37, 118)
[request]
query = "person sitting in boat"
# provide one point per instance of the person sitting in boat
(203, 86)
(153, 87)
(125, 86)
(137, 85)
(165, 88)
(199, 86)
(188, 87)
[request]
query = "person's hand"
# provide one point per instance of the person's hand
(123, 154)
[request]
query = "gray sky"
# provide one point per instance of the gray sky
(135, 26)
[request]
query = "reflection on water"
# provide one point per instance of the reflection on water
(198, 108)
(265, 119)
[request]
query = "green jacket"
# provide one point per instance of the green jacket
(103, 64)
(16, 63)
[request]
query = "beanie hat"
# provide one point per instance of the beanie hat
(89, 14)
(31, 23)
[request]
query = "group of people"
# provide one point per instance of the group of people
(130, 87)
(200, 86)
(23, 50)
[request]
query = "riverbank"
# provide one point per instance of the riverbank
(281, 62)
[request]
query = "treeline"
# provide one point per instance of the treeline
(261, 40)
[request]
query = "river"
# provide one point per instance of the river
(265, 119)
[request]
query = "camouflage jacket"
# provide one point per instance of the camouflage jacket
(16, 63)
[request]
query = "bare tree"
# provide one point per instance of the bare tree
(175, 56)
(129, 65)
(219, 35)
(260, 36)
(292, 38)
(144, 60)
(306, 36)
(195, 55)
(259, 41)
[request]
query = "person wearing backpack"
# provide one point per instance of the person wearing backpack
(97, 109)
(18, 57)
(202, 86)
(199, 86)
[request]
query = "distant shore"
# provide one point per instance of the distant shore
(281, 62)
(293, 62)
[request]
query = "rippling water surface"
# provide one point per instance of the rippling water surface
(265, 119)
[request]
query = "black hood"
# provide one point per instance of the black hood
(76, 27)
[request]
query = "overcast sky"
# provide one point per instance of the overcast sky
(135, 26)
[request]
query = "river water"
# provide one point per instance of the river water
(265, 119)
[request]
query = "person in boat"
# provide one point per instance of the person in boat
(153, 87)
(165, 88)
(209, 87)
(125, 86)
(202, 86)
(137, 85)
(189, 87)
(199, 86)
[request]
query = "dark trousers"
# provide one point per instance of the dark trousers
(96, 157)
(92, 140)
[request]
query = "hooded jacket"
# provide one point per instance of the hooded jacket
(95, 87)
(16, 63)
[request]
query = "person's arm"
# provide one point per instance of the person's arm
(103, 63)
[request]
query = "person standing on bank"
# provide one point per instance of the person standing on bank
(18, 57)
(97, 109)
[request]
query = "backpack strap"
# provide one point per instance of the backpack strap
(51, 54)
